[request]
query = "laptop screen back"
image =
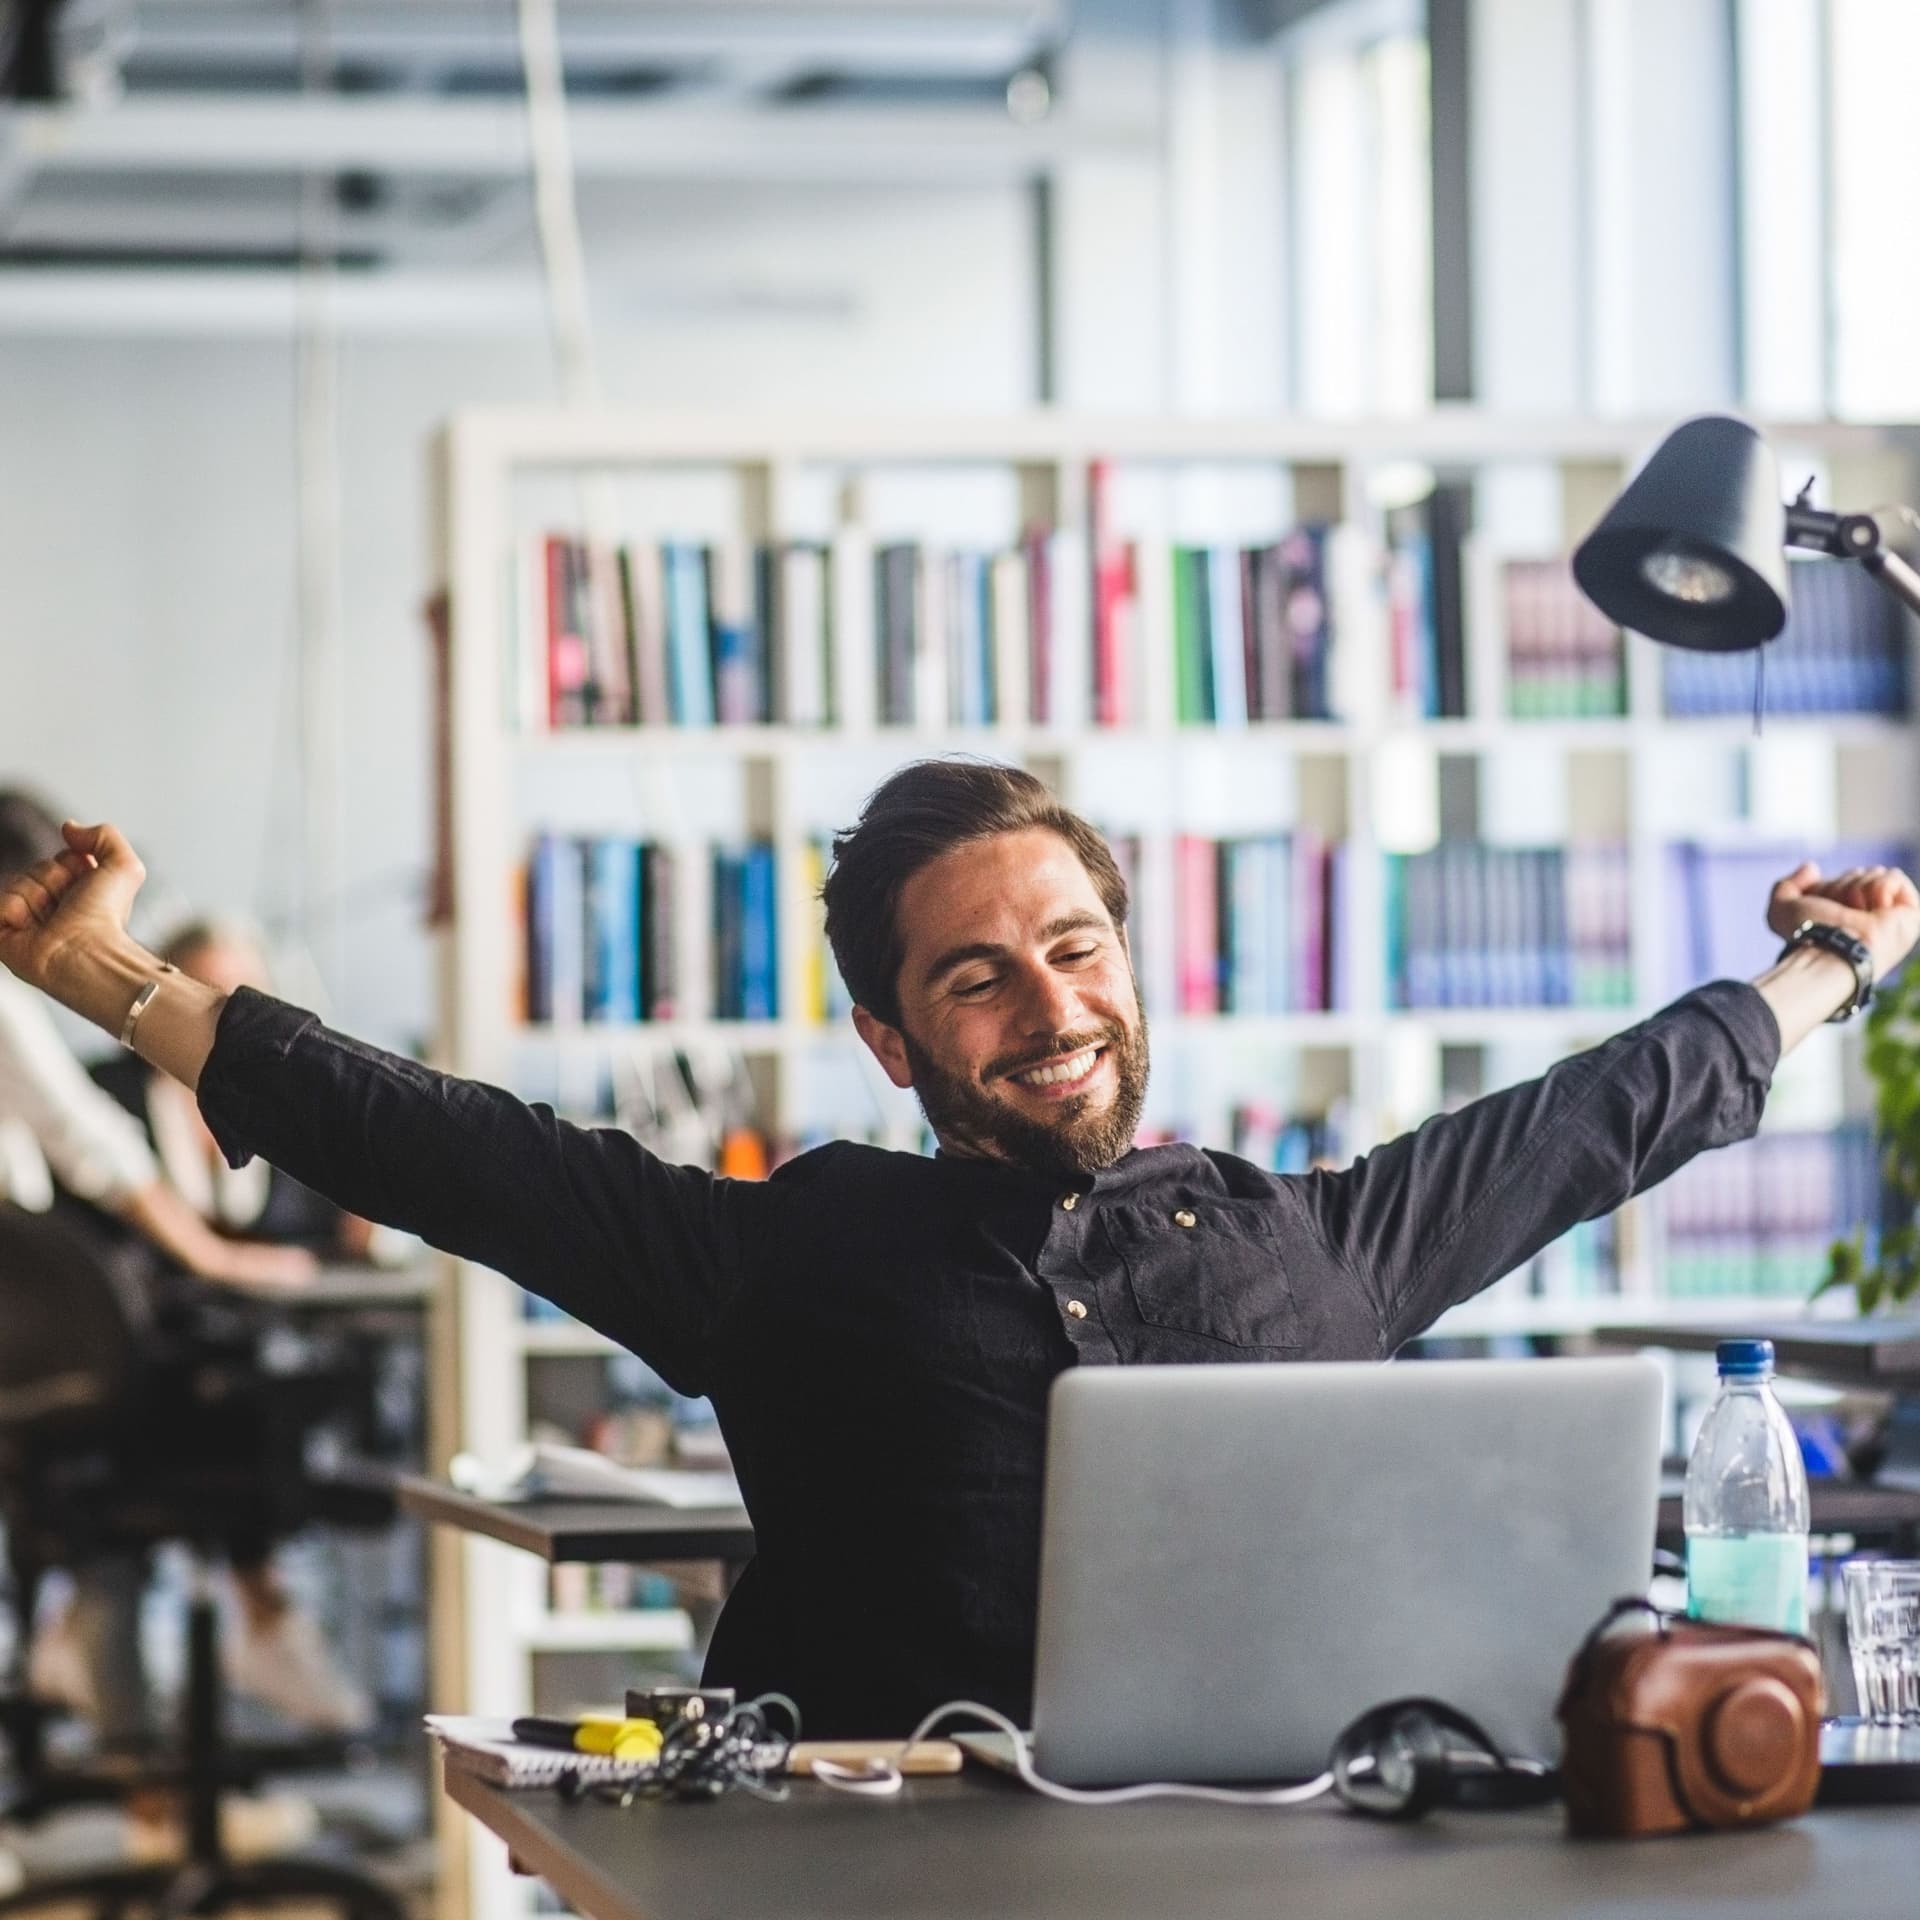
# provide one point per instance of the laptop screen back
(1237, 1561)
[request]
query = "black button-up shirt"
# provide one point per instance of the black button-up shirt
(878, 1331)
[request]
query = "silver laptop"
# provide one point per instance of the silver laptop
(1238, 1561)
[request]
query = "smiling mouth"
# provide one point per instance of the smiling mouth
(1065, 1071)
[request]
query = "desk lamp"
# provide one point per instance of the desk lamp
(1693, 552)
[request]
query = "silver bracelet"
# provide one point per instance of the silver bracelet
(141, 1001)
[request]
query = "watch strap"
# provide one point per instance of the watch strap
(1850, 948)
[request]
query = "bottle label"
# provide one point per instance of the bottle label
(1748, 1579)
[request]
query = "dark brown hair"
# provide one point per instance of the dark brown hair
(912, 818)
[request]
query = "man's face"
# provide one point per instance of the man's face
(1021, 1028)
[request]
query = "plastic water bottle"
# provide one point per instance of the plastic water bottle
(1746, 1501)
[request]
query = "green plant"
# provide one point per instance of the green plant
(1893, 1065)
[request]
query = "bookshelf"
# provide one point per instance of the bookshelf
(1539, 742)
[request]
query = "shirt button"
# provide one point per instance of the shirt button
(1185, 1218)
(1077, 1308)
(1068, 1201)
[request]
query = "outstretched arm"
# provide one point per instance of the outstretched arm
(648, 1253)
(1432, 1218)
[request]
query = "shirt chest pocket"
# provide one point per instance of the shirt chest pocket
(1211, 1270)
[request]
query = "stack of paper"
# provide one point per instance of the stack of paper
(543, 1471)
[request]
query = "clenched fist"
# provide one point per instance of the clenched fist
(77, 900)
(1876, 904)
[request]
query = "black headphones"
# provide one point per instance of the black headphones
(1399, 1760)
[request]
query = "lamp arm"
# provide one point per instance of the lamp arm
(1854, 536)
(1893, 573)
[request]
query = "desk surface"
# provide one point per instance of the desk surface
(617, 1530)
(1868, 1352)
(1887, 1506)
(343, 1287)
(956, 1849)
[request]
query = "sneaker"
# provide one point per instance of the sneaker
(289, 1667)
(252, 1827)
(57, 1667)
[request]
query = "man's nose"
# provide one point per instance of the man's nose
(1049, 1001)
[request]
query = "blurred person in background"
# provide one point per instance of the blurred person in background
(70, 1149)
(256, 1200)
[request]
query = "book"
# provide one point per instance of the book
(759, 940)
(689, 643)
(611, 989)
(853, 652)
(1226, 637)
(800, 601)
(486, 1748)
(567, 663)
(739, 675)
(645, 592)
(1010, 593)
(1069, 628)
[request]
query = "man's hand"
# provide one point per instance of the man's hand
(77, 900)
(1876, 904)
(63, 929)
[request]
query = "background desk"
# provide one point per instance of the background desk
(349, 1288)
(609, 1530)
(957, 1849)
(1866, 1352)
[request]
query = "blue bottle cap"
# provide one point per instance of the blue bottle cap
(1744, 1356)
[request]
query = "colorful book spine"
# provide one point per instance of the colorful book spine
(689, 640)
(1226, 637)
(612, 931)
(1477, 926)
(1197, 954)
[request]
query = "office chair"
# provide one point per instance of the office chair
(75, 1385)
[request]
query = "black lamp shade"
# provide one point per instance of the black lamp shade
(1704, 517)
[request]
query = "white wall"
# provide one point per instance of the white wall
(146, 520)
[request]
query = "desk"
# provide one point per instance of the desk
(955, 1849)
(1884, 1509)
(617, 1530)
(347, 1288)
(1867, 1352)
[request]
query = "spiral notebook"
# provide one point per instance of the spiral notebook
(487, 1749)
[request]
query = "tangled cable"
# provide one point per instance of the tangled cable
(700, 1759)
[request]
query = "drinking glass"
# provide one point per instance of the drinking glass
(1883, 1635)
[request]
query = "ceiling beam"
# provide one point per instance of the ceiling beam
(953, 36)
(199, 303)
(812, 142)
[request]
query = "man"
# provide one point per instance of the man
(878, 1331)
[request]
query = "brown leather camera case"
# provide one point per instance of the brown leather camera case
(1697, 1725)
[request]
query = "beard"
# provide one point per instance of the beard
(1082, 1139)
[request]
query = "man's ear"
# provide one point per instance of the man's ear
(886, 1045)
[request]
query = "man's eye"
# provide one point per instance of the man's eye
(974, 988)
(1078, 954)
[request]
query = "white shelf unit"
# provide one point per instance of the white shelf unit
(501, 475)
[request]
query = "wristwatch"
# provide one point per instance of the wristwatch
(1822, 933)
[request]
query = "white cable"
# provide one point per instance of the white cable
(878, 1777)
(554, 212)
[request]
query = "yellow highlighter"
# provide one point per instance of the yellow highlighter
(602, 1733)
